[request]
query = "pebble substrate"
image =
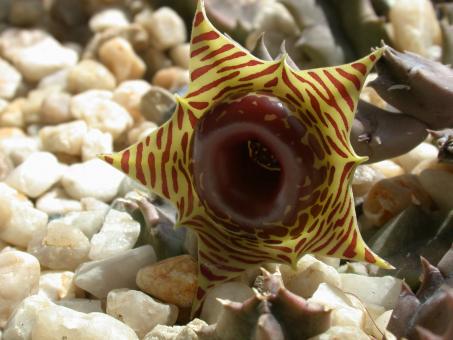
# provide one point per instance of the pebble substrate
(70, 263)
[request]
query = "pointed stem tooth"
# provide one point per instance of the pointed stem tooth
(260, 50)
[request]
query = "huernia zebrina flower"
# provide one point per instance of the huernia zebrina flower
(256, 158)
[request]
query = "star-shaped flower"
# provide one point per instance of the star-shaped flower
(256, 158)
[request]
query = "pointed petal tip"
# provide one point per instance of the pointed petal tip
(381, 263)
(105, 157)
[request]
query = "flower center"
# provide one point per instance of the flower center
(248, 161)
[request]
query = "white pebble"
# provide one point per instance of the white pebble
(13, 40)
(364, 178)
(438, 183)
(12, 115)
(19, 221)
(100, 112)
(140, 131)
(82, 305)
(19, 278)
(57, 80)
(66, 138)
(187, 332)
(19, 146)
(415, 27)
(387, 168)
(36, 174)
(33, 103)
(108, 18)
(118, 234)
(129, 95)
(166, 29)
(43, 58)
(343, 311)
(96, 142)
(55, 108)
(57, 202)
(23, 319)
(60, 247)
(181, 55)
(91, 203)
(420, 153)
(171, 78)
(233, 291)
(382, 291)
(57, 322)
(89, 222)
(100, 277)
(93, 178)
(310, 273)
(57, 285)
(139, 311)
(88, 75)
(390, 196)
(10, 80)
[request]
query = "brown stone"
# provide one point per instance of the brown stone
(173, 280)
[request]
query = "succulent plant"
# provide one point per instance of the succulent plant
(273, 313)
(158, 229)
(444, 141)
(445, 11)
(413, 233)
(416, 86)
(428, 313)
(376, 133)
(157, 220)
(326, 32)
(256, 158)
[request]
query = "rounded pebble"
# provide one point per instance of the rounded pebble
(129, 95)
(57, 202)
(181, 55)
(420, 153)
(97, 109)
(43, 58)
(23, 319)
(57, 322)
(10, 80)
(66, 138)
(19, 220)
(388, 197)
(60, 247)
(108, 18)
(55, 108)
(19, 278)
(102, 184)
(119, 56)
(166, 29)
(88, 75)
(100, 277)
(173, 280)
(118, 234)
(139, 311)
(310, 273)
(438, 183)
(36, 174)
(57, 285)
(171, 78)
(156, 104)
(96, 142)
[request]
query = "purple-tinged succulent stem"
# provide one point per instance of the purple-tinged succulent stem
(417, 86)
(381, 134)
